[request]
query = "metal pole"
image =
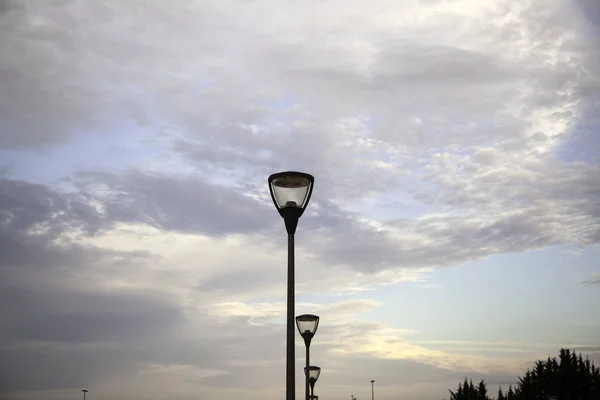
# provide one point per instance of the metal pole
(306, 370)
(372, 390)
(291, 354)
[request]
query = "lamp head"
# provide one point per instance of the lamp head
(313, 375)
(307, 326)
(290, 192)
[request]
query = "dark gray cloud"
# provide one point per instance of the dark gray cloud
(26, 206)
(55, 336)
(45, 368)
(52, 297)
(7, 5)
(239, 279)
(35, 224)
(34, 220)
(71, 338)
(86, 315)
(180, 204)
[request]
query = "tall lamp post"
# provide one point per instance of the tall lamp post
(313, 375)
(291, 193)
(84, 392)
(372, 390)
(307, 326)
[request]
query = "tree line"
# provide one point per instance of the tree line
(570, 377)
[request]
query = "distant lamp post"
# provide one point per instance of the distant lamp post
(84, 392)
(372, 390)
(314, 397)
(291, 193)
(313, 375)
(307, 326)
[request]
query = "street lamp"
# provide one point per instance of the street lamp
(291, 193)
(307, 326)
(372, 390)
(84, 392)
(313, 375)
(314, 397)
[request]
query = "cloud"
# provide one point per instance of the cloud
(94, 317)
(593, 280)
(100, 298)
(343, 334)
(181, 204)
(439, 133)
(490, 223)
(61, 320)
(40, 230)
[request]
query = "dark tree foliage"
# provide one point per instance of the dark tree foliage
(500, 395)
(511, 393)
(569, 377)
(468, 391)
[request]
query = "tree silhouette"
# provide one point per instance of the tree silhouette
(482, 391)
(500, 394)
(468, 391)
(569, 377)
(511, 393)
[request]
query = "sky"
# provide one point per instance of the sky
(453, 230)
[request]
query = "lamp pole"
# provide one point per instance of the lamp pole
(307, 371)
(307, 326)
(291, 193)
(84, 392)
(291, 305)
(373, 390)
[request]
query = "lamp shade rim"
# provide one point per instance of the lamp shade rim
(299, 174)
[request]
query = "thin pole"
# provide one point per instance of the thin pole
(306, 370)
(291, 354)
(372, 390)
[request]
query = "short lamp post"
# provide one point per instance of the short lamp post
(291, 193)
(372, 390)
(314, 397)
(84, 392)
(313, 375)
(307, 326)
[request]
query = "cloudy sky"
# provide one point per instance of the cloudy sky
(454, 228)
